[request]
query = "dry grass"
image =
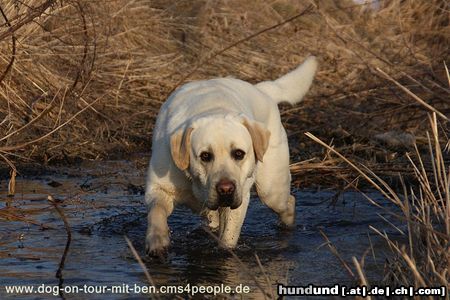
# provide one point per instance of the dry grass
(57, 58)
(425, 260)
(425, 210)
(75, 53)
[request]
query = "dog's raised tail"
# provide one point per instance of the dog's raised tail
(293, 86)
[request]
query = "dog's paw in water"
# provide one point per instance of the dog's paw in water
(157, 246)
(158, 254)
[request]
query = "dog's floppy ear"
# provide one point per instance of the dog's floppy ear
(180, 143)
(260, 137)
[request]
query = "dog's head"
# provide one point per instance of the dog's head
(220, 156)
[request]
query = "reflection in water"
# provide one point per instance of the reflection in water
(102, 208)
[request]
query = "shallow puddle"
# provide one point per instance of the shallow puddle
(103, 202)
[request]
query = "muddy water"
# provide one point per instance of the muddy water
(103, 203)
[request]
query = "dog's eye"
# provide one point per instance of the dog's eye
(238, 154)
(206, 156)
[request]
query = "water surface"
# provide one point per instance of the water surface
(103, 202)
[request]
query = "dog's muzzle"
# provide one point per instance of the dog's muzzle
(226, 189)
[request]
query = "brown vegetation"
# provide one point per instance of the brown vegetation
(118, 60)
(425, 209)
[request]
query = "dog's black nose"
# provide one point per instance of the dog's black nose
(225, 187)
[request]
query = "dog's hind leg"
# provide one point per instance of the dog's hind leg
(230, 223)
(273, 180)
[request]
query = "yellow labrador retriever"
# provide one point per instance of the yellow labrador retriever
(213, 140)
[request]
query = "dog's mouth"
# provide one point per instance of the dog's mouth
(224, 194)
(224, 201)
(227, 200)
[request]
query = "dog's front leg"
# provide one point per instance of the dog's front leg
(157, 238)
(230, 223)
